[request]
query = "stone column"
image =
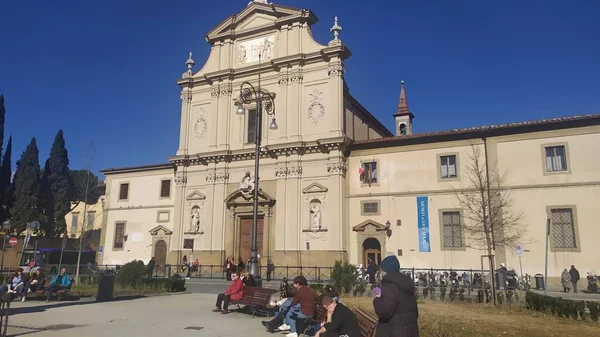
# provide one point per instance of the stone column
(337, 174)
(335, 105)
(179, 216)
(281, 230)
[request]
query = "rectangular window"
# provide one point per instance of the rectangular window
(124, 191)
(556, 158)
(448, 167)
(251, 134)
(119, 235)
(188, 243)
(563, 231)
(165, 188)
(452, 229)
(370, 174)
(91, 218)
(74, 224)
(370, 208)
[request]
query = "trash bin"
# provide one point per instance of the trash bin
(539, 282)
(167, 270)
(106, 286)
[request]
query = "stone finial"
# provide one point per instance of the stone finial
(190, 63)
(336, 29)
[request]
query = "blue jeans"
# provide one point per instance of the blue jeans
(292, 315)
(285, 306)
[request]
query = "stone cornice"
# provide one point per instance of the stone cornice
(322, 146)
(274, 65)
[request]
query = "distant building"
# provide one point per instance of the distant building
(78, 221)
(335, 183)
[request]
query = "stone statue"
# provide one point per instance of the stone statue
(195, 227)
(246, 185)
(315, 212)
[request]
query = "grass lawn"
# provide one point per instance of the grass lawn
(474, 320)
(87, 290)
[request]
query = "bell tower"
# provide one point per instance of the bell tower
(403, 117)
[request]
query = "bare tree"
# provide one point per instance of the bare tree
(490, 219)
(86, 187)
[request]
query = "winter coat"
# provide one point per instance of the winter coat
(565, 279)
(235, 290)
(574, 274)
(396, 308)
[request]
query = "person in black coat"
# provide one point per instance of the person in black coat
(396, 306)
(340, 320)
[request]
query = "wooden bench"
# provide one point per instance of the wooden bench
(366, 322)
(306, 326)
(59, 293)
(256, 299)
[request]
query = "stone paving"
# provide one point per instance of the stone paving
(182, 315)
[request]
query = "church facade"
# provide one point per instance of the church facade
(335, 184)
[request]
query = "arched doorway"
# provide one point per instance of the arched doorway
(160, 254)
(371, 251)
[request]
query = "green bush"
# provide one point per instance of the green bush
(131, 274)
(562, 307)
(344, 276)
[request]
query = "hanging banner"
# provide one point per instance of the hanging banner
(423, 223)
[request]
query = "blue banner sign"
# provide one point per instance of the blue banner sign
(423, 219)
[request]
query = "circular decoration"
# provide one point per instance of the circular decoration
(200, 124)
(316, 112)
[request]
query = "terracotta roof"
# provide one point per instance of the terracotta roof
(488, 130)
(137, 168)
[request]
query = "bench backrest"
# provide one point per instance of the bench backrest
(366, 322)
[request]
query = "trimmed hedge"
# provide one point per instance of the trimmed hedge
(562, 307)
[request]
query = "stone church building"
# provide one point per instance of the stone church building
(334, 182)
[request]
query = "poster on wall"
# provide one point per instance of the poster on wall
(423, 224)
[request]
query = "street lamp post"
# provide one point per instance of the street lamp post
(5, 228)
(264, 100)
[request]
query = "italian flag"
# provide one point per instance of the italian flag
(361, 171)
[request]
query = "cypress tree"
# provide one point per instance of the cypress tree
(57, 178)
(5, 183)
(26, 206)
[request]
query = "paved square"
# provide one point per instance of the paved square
(153, 316)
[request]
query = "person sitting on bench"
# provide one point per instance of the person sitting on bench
(37, 281)
(17, 284)
(58, 282)
(340, 320)
(303, 304)
(286, 294)
(234, 292)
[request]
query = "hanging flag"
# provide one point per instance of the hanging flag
(361, 171)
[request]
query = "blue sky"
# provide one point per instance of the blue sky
(104, 71)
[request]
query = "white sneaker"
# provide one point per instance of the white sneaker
(284, 327)
(292, 334)
(23, 299)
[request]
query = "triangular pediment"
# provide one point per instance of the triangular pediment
(239, 198)
(157, 229)
(195, 195)
(315, 188)
(361, 227)
(257, 16)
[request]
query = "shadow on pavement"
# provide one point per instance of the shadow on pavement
(63, 303)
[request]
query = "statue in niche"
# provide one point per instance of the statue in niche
(315, 212)
(247, 185)
(195, 225)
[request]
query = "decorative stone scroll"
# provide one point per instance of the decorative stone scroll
(316, 109)
(200, 123)
(180, 179)
(335, 70)
(337, 168)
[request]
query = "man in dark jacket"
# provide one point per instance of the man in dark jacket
(396, 306)
(574, 277)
